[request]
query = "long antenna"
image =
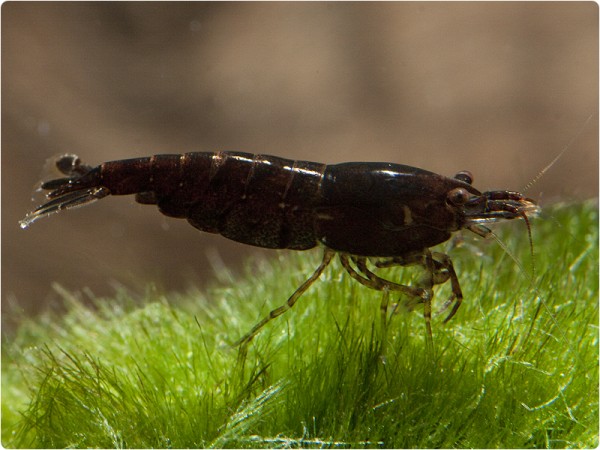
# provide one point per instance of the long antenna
(557, 157)
(529, 278)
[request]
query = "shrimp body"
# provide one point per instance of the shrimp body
(359, 210)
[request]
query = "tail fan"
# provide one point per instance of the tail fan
(80, 187)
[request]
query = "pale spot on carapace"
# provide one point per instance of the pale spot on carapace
(407, 215)
(324, 216)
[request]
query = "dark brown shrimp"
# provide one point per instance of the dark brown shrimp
(383, 213)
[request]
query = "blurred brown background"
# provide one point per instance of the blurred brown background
(495, 88)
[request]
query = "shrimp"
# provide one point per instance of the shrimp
(364, 212)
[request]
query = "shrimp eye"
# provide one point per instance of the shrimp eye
(464, 176)
(458, 196)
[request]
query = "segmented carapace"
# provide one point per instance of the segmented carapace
(365, 212)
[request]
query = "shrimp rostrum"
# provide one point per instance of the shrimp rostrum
(381, 214)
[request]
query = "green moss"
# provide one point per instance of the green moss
(517, 366)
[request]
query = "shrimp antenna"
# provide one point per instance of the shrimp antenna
(530, 278)
(530, 245)
(557, 157)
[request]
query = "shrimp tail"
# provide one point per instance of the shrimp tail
(79, 188)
